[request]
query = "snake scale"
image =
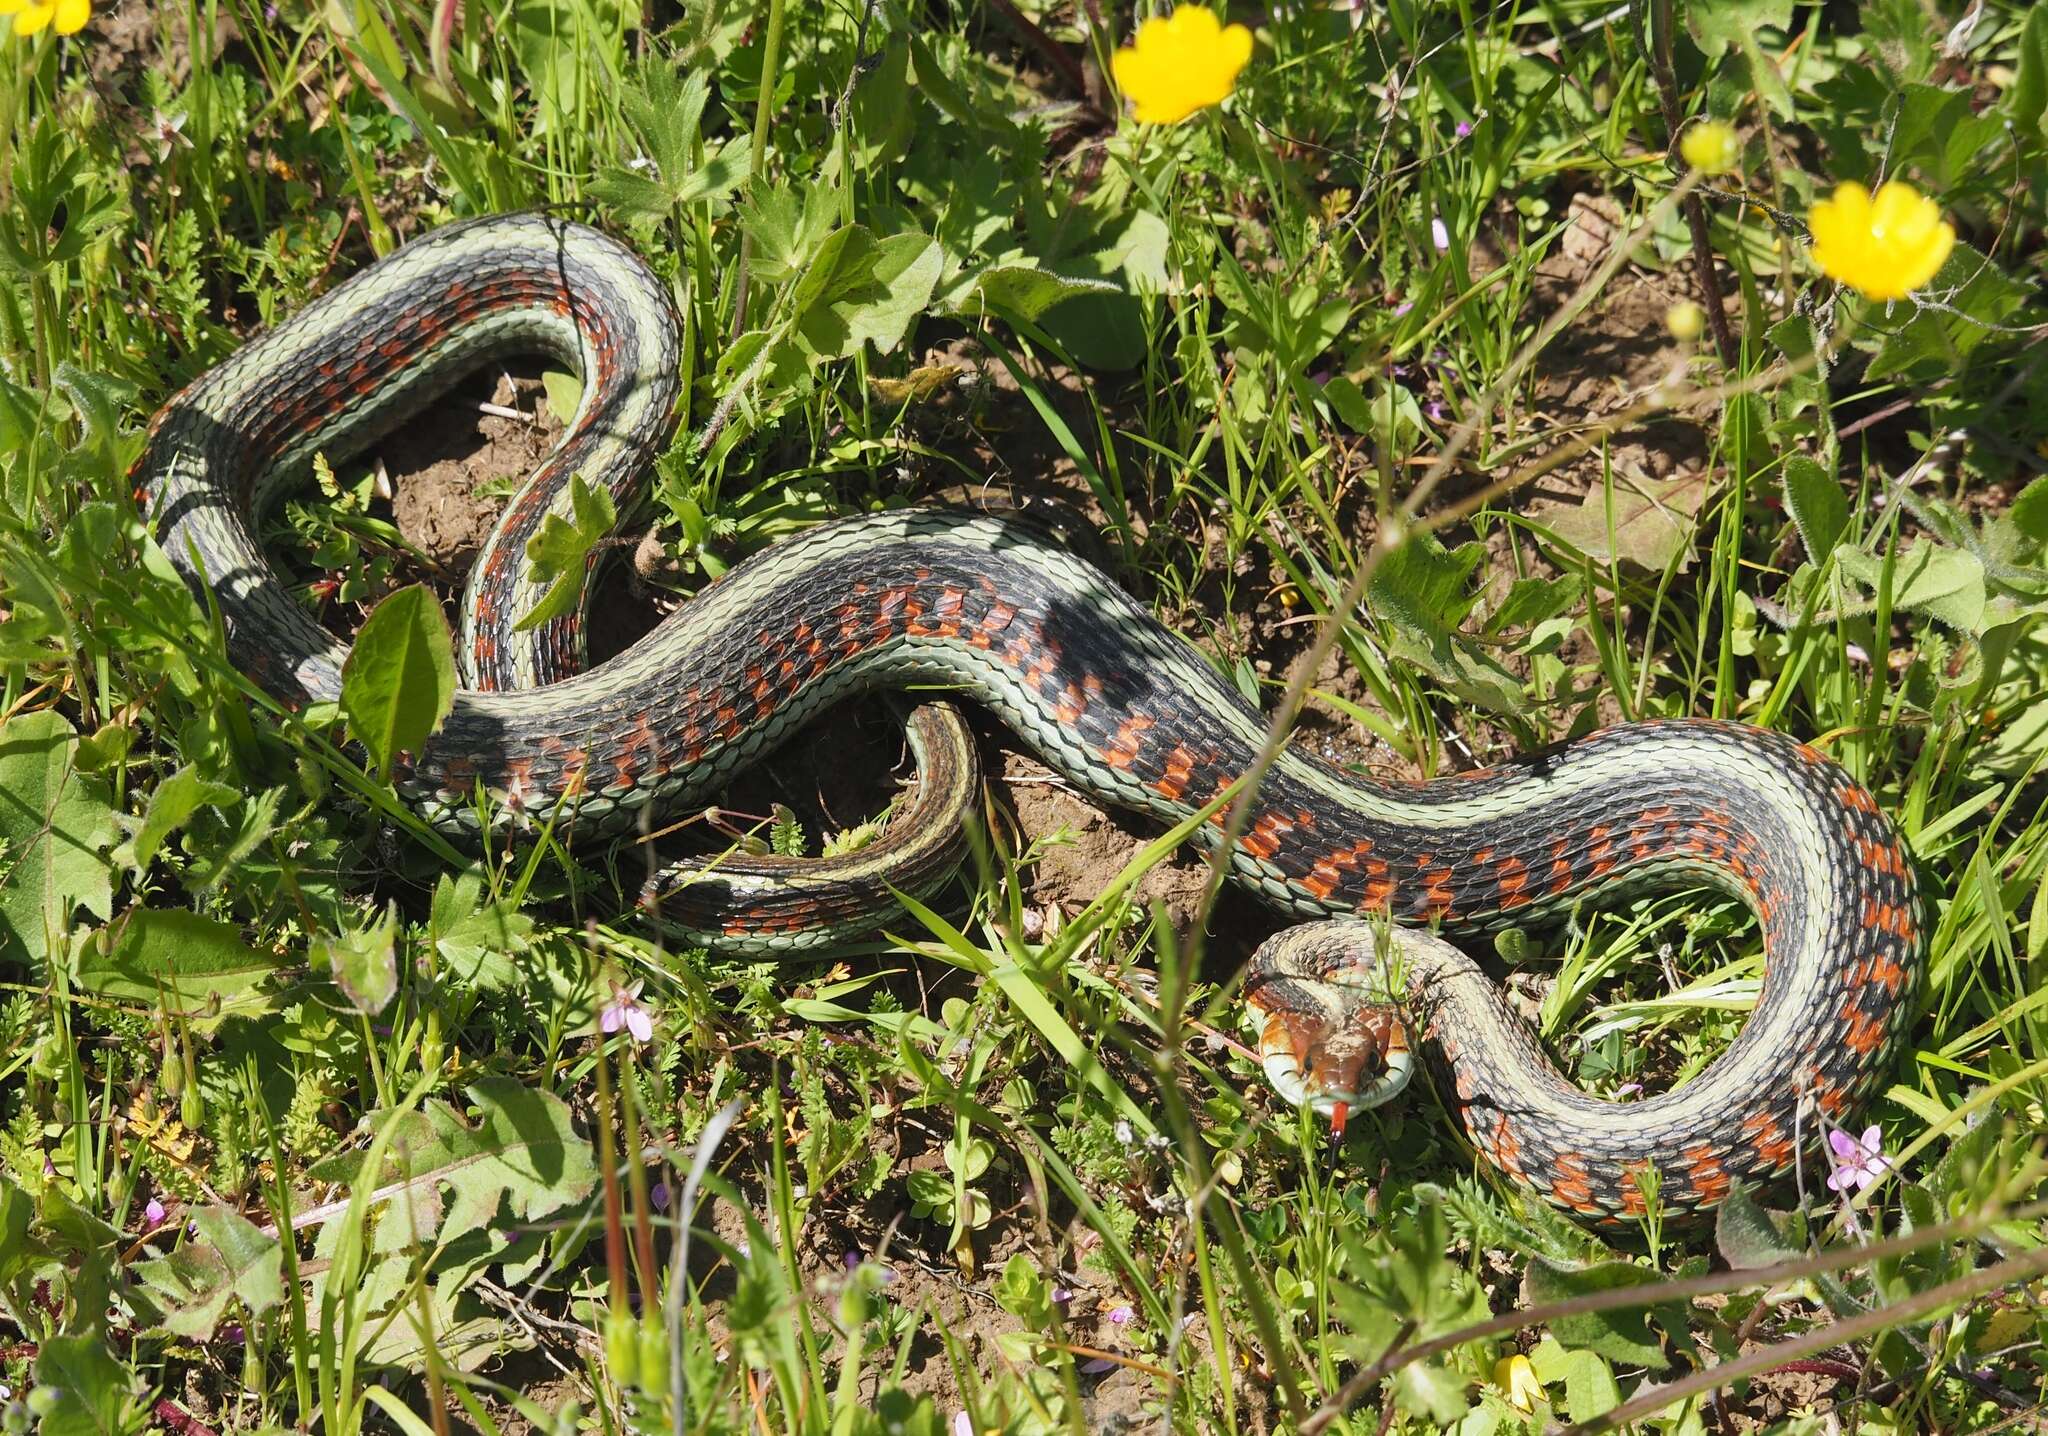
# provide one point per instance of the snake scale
(1083, 675)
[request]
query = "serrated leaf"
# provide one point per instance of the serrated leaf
(56, 826)
(721, 173)
(84, 1390)
(398, 683)
(478, 941)
(774, 221)
(230, 1261)
(557, 551)
(173, 803)
(1818, 507)
(523, 1155)
(364, 962)
(1422, 590)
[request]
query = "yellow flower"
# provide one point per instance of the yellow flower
(1177, 65)
(1883, 247)
(32, 15)
(1711, 147)
(1515, 1376)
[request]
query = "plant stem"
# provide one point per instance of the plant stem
(1695, 211)
(764, 109)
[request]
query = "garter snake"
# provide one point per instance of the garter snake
(1083, 675)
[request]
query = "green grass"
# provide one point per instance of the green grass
(1026, 1178)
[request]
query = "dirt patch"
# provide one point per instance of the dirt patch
(453, 467)
(1082, 849)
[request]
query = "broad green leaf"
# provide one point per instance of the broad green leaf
(565, 394)
(2026, 100)
(56, 826)
(1976, 295)
(783, 231)
(1623, 1335)
(906, 267)
(364, 962)
(2029, 512)
(1421, 589)
(81, 1390)
(1589, 1386)
(175, 800)
(1946, 583)
(523, 1155)
(1750, 1237)
(558, 551)
(1719, 25)
(1425, 585)
(1026, 291)
(478, 940)
(399, 681)
(1817, 505)
(229, 1261)
(175, 955)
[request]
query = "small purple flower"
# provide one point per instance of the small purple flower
(657, 1196)
(1627, 1089)
(1464, 129)
(1095, 1366)
(1436, 411)
(1403, 307)
(1061, 1296)
(963, 1424)
(153, 1214)
(624, 1010)
(1858, 1164)
(1122, 1315)
(1439, 234)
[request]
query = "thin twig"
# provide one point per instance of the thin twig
(1659, 52)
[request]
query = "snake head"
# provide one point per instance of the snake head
(1336, 1064)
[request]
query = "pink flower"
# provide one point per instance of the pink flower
(153, 1214)
(1857, 1163)
(624, 1010)
(1121, 1315)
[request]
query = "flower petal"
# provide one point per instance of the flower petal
(72, 15)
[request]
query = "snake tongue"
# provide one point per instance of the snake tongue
(1340, 1113)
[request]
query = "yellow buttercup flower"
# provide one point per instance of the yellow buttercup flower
(1517, 1379)
(1711, 147)
(30, 16)
(1180, 64)
(1883, 246)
